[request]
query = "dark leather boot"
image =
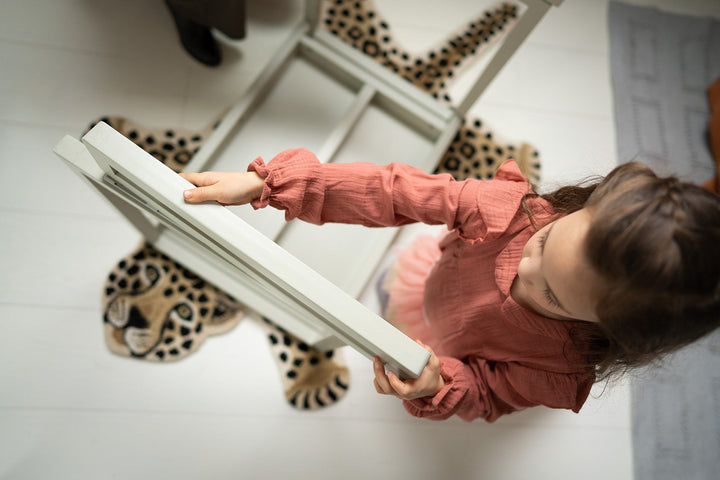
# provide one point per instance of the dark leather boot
(197, 39)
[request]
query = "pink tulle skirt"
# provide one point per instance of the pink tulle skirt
(405, 285)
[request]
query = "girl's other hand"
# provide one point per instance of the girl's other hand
(226, 188)
(428, 384)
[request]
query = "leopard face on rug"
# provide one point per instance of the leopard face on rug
(157, 310)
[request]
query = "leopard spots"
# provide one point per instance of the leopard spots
(311, 379)
(174, 147)
(476, 153)
(359, 24)
(157, 310)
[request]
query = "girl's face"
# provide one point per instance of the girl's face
(554, 279)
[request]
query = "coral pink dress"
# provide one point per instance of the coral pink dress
(496, 357)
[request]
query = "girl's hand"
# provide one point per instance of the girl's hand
(227, 188)
(429, 383)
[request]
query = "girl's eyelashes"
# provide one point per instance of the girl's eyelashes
(550, 298)
(542, 241)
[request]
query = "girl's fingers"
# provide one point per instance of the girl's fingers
(200, 179)
(382, 384)
(424, 346)
(200, 194)
(226, 188)
(377, 386)
(399, 387)
(433, 361)
(189, 176)
(388, 383)
(204, 182)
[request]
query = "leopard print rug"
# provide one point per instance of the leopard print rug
(157, 310)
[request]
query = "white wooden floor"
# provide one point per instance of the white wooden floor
(69, 409)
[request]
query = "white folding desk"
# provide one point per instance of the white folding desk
(318, 93)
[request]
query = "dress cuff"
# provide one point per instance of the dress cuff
(444, 403)
(258, 166)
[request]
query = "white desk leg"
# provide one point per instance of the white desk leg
(348, 122)
(535, 12)
(243, 108)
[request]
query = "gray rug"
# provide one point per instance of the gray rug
(661, 66)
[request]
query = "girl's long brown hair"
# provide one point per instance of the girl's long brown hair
(656, 243)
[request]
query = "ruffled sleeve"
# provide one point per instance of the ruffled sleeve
(483, 389)
(388, 195)
(499, 204)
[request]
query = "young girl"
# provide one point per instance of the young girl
(528, 299)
